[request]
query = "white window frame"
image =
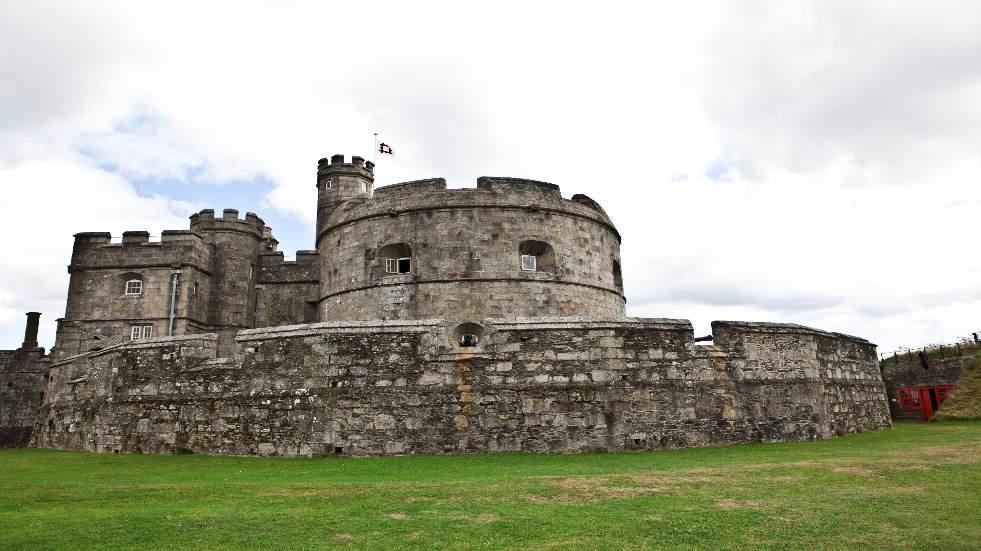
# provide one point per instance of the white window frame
(138, 286)
(138, 332)
(525, 258)
(392, 265)
(327, 181)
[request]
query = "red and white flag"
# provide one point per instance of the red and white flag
(383, 148)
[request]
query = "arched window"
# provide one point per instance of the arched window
(536, 256)
(128, 284)
(396, 259)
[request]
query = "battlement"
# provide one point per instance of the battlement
(168, 238)
(336, 165)
(510, 186)
(206, 221)
(277, 259)
(517, 185)
(415, 187)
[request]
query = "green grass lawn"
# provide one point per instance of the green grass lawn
(917, 486)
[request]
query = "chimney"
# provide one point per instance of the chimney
(30, 334)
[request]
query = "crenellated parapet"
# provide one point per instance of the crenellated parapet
(513, 195)
(273, 268)
(205, 221)
(95, 250)
(336, 165)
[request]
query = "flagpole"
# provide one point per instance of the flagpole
(374, 159)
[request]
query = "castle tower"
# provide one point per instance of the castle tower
(338, 181)
(507, 248)
(236, 246)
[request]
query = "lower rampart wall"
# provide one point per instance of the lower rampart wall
(547, 385)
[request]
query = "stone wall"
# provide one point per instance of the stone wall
(291, 289)
(545, 385)
(22, 384)
(911, 374)
(853, 395)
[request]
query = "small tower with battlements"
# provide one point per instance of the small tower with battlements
(338, 181)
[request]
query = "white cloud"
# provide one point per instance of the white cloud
(812, 162)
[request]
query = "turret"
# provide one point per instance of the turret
(338, 181)
(237, 244)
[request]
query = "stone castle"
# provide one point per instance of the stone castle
(428, 320)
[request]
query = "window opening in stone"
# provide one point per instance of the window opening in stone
(338, 450)
(398, 259)
(327, 184)
(537, 256)
(397, 265)
(134, 287)
(528, 263)
(617, 276)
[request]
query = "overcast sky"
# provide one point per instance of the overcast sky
(808, 162)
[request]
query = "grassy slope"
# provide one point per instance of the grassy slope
(913, 487)
(965, 400)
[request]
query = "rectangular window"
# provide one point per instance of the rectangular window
(141, 332)
(327, 183)
(909, 398)
(398, 265)
(528, 263)
(134, 287)
(147, 331)
(135, 333)
(364, 187)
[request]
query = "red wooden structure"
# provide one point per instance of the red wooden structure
(925, 398)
